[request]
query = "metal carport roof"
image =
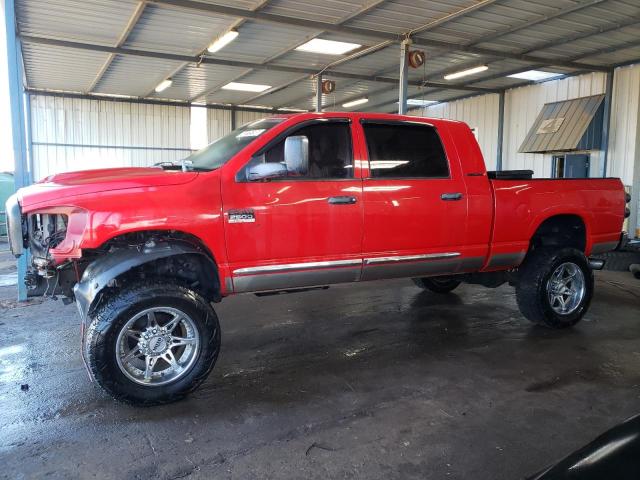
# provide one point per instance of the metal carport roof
(126, 47)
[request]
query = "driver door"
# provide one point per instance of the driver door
(293, 216)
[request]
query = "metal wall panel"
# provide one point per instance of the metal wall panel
(76, 134)
(246, 117)
(522, 106)
(480, 113)
(624, 140)
(218, 123)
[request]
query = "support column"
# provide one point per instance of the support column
(319, 93)
(404, 76)
(606, 121)
(18, 120)
(500, 130)
(233, 118)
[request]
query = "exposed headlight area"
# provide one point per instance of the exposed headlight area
(46, 232)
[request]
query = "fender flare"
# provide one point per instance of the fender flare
(103, 270)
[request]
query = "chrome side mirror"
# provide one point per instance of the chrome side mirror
(263, 171)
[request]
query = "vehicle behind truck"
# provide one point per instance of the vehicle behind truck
(298, 202)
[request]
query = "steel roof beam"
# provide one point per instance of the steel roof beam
(212, 61)
(316, 25)
(133, 20)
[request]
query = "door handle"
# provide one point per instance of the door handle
(451, 196)
(342, 200)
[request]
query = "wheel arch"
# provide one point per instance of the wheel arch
(561, 230)
(155, 253)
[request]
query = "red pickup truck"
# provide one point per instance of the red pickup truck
(298, 202)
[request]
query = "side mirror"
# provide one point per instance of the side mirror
(263, 171)
(296, 154)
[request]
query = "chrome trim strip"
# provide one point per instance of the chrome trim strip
(296, 266)
(410, 258)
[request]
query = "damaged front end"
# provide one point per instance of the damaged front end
(50, 239)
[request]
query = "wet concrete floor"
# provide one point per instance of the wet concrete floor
(377, 380)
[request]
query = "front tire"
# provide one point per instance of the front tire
(437, 284)
(555, 287)
(152, 343)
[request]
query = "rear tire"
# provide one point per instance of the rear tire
(438, 284)
(554, 287)
(152, 343)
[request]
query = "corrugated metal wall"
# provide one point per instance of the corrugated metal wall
(480, 113)
(624, 141)
(522, 106)
(78, 134)
(218, 123)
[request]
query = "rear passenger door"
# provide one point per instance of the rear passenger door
(415, 207)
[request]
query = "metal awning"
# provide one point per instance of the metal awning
(565, 126)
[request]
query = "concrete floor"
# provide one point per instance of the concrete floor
(377, 380)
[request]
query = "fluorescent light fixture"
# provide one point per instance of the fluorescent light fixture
(353, 103)
(246, 87)
(417, 102)
(263, 107)
(535, 75)
(464, 73)
(291, 109)
(164, 84)
(221, 42)
(329, 47)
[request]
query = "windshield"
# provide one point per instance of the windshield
(219, 152)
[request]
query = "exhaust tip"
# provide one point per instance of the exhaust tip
(596, 264)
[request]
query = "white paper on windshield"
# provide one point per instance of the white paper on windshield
(250, 133)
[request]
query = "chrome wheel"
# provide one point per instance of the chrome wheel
(566, 288)
(157, 346)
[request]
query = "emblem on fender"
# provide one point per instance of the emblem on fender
(241, 216)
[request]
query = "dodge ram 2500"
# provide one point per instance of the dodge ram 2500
(290, 203)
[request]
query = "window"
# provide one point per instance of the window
(220, 152)
(328, 153)
(405, 150)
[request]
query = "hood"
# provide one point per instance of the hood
(53, 189)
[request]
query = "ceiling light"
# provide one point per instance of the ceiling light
(329, 47)
(291, 109)
(420, 103)
(353, 103)
(246, 87)
(221, 42)
(535, 75)
(464, 73)
(163, 85)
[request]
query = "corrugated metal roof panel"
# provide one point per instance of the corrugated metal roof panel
(256, 77)
(170, 30)
(135, 76)
(561, 125)
(193, 81)
(52, 68)
(97, 21)
(330, 11)
(258, 42)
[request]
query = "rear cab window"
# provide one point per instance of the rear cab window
(404, 150)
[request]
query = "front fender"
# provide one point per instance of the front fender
(103, 270)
